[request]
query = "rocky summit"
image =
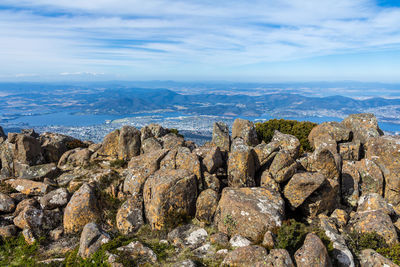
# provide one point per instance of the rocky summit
(148, 197)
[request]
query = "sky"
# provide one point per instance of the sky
(235, 40)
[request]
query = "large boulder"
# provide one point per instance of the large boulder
(265, 154)
(28, 150)
(81, 209)
(324, 161)
(150, 144)
(130, 215)
(152, 130)
(54, 145)
(78, 157)
(372, 180)
(122, 144)
(363, 126)
(283, 167)
(249, 212)
(241, 168)
(140, 168)
(287, 143)
(350, 150)
(337, 132)
(385, 152)
(7, 159)
(350, 186)
(92, 238)
(39, 172)
(211, 156)
(245, 130)
(341, 253)
(206, 205)
(55, 199)
(186, 160)
(301, 186)
(29, 187)
(369, 221)
(169, 195)
(172, 141)
(312, 253)
(139, 253)
(220, 136)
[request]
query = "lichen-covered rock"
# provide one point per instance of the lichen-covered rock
(371, 258)
(301, 186)
(312, 253)
(341, 254)
(350, 183)
(152, 130)
(28, 187)
(350, 150)
(27, 150)
(81, 209)
(269, 182)
(122, 144)
(323, 200)
(337, 131)
(6, 159)
(168, 196)
(54, 199)
(39, 172)
(188, 236)
(212, 159)
(54, 145)
(245, 130)
(374, 201)
(385, 152)
(265, 153)
(363, 126)
(277, 258)
(375, 221)
(249, 212)
(283, 167)
(206, 205)
(241, 169)
(130, 215)
(140, 168)
(324, 161)
(187, 160)
(238, 241)
(2, 135)
(139, 253)
(92, 238)
(78, 157)
(129, 142)
(7, 204)
(37, 220)
(172, 141)
(150, 144)
(211, 182)
(245, 256)
(371, 177)
(220, 136)
(287, 143)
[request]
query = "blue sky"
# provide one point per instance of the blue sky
(236, 40)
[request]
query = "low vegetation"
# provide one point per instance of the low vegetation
(300, 129)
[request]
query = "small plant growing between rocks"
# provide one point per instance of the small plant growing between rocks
(176, 132)
(118, 163)
(358, 241)
(15, 251)
(291, 235)
(230, 223)
(392, 253)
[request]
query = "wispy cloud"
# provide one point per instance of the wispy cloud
(140, 37)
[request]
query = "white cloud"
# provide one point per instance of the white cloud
(70, 36)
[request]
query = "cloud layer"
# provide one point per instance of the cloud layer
(215, 39)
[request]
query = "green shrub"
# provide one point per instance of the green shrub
(358, 241)
(300, 129)
(291, 235)
(392, 253)
(118, 163)
(15, 251)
